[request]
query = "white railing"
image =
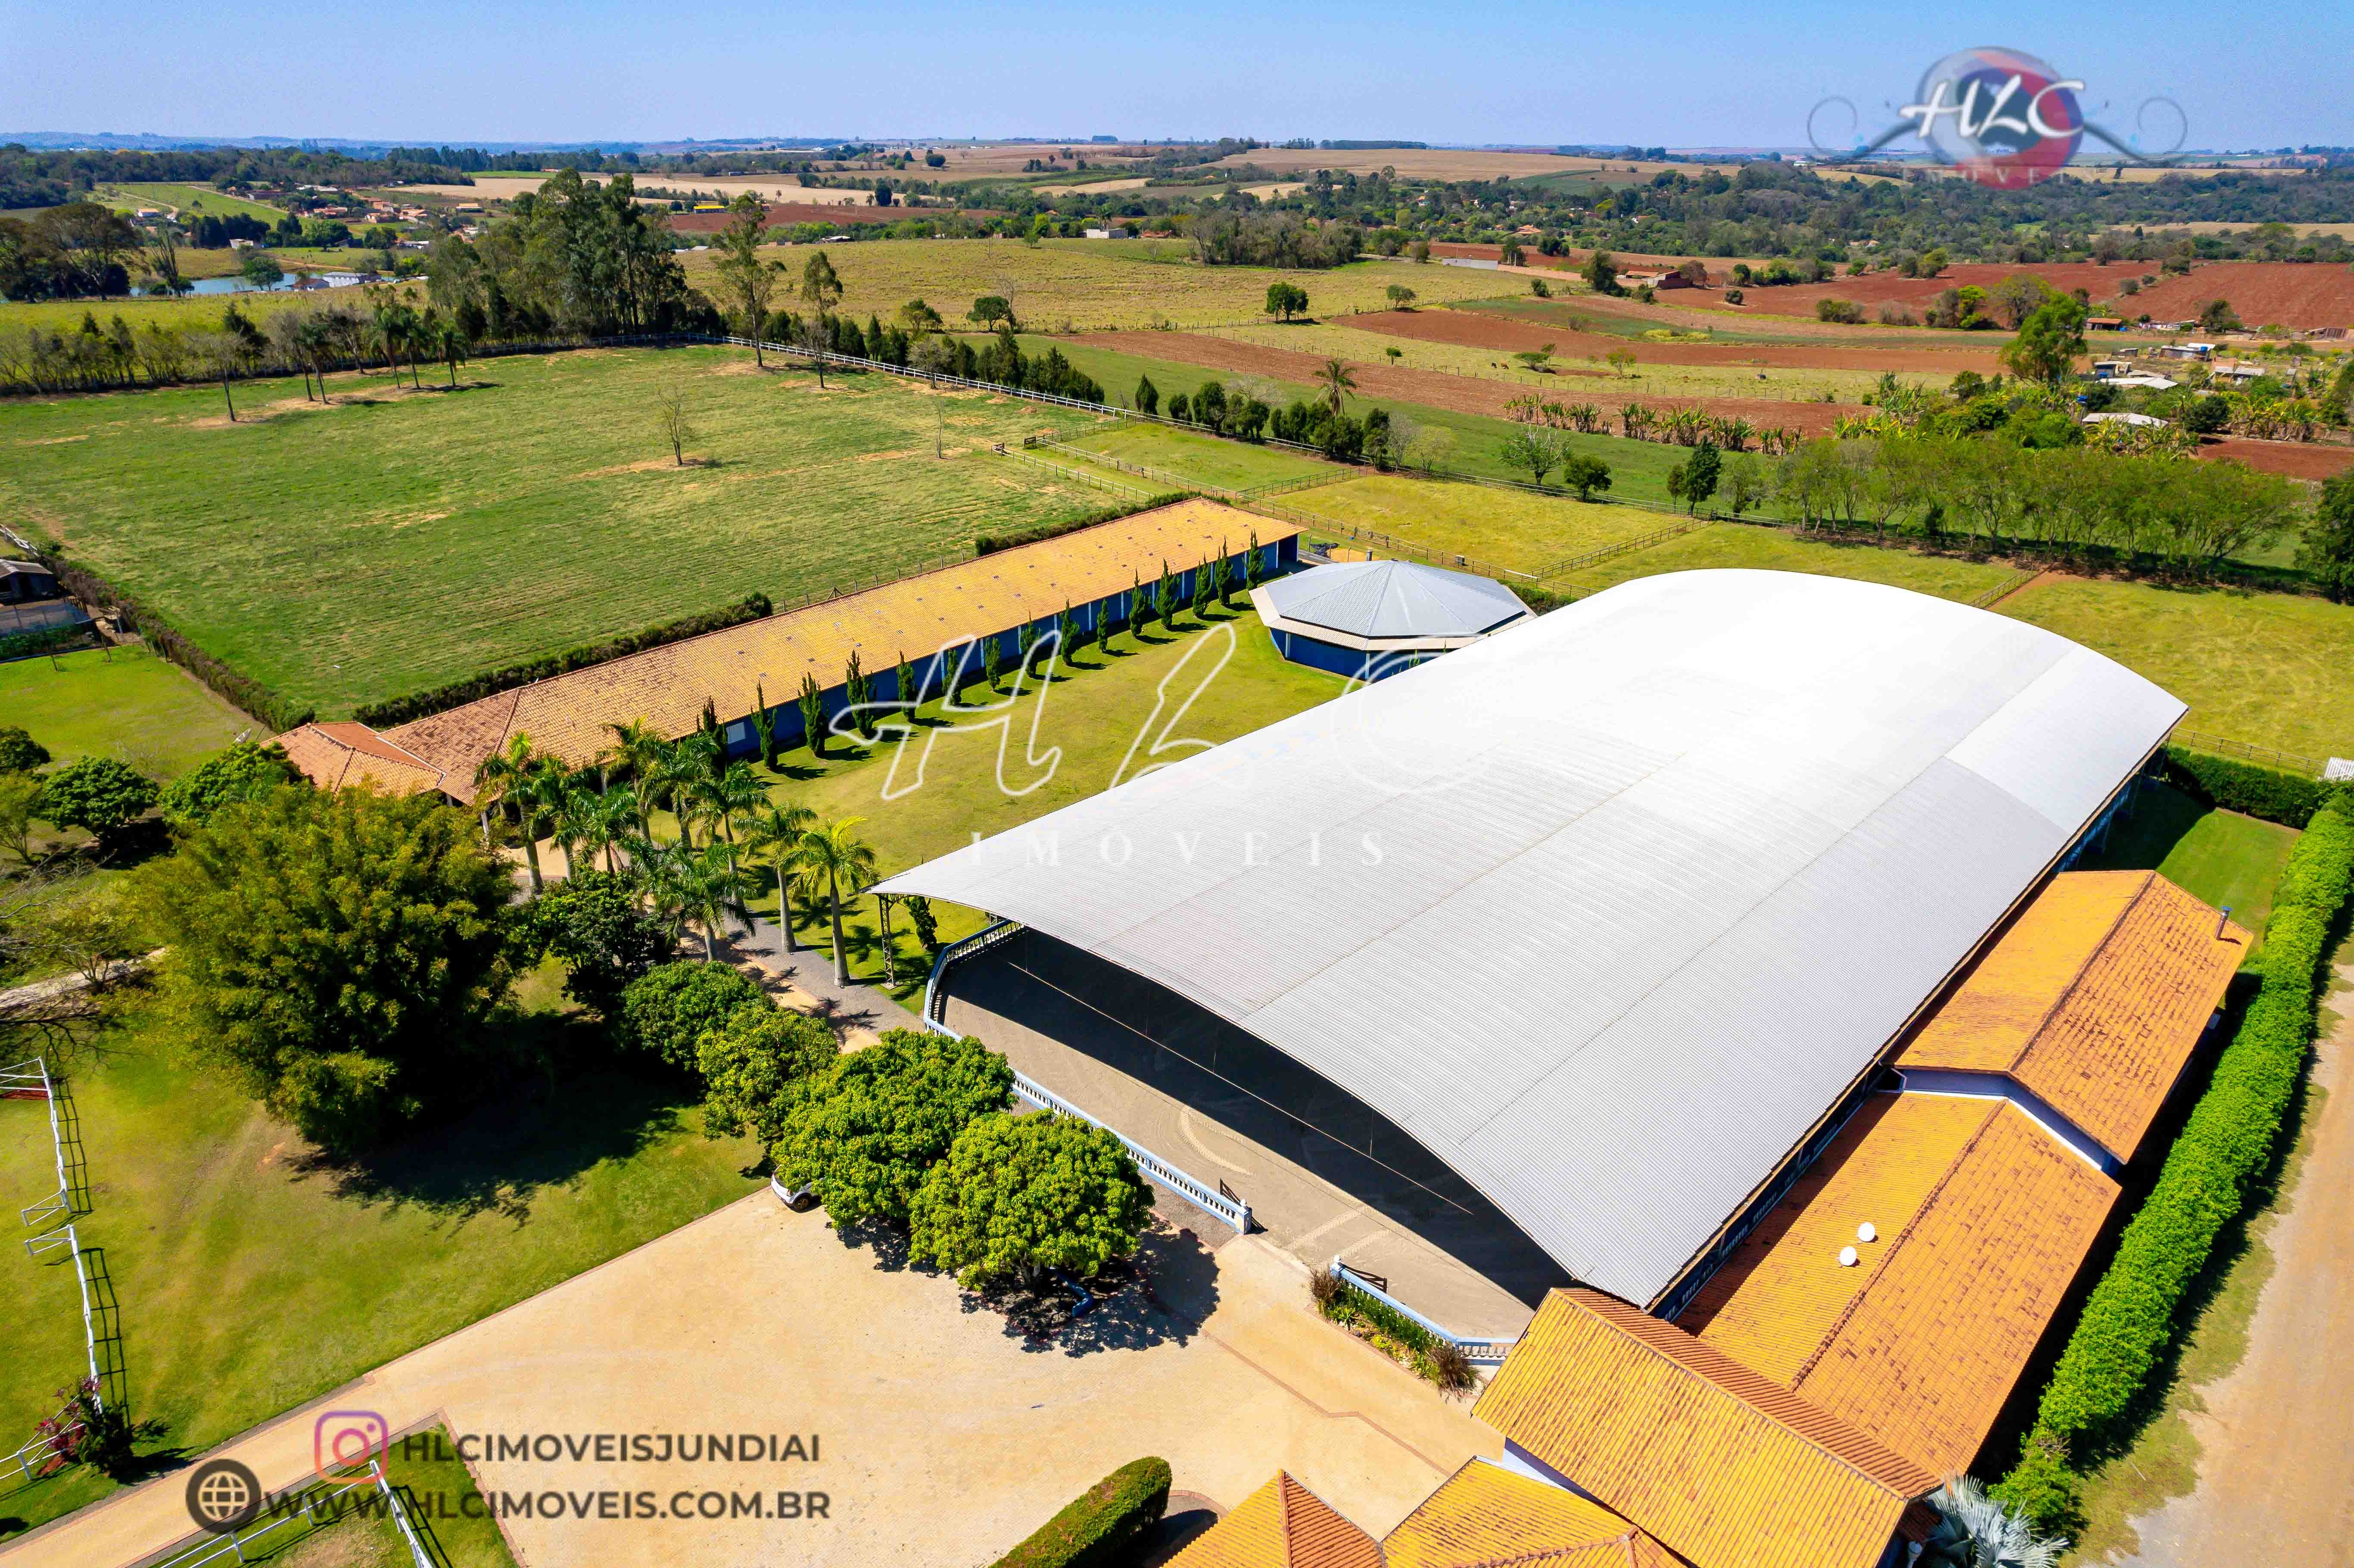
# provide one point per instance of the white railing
(30, 1080)
(1210, 1199)
(306, 1506)
(65, 1236)
(1486, 1351)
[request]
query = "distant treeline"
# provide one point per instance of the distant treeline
(29, 178)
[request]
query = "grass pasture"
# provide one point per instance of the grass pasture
(2228, 860)
(1510, 528)
(2272, 669)
(394, 540)
(191, 312)
(1094, 285)
(1206, 460)
(188, 202)
(1739, 545)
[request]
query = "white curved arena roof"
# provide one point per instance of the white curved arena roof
(1608, 909)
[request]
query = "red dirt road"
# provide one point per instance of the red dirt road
(1436, 389)
(1481, 329)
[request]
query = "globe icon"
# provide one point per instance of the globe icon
(223, 1495)
(2004, 118)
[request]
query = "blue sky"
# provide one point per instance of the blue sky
(1510, 72)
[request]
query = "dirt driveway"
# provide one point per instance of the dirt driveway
(2277, 1432)
(940, 1435)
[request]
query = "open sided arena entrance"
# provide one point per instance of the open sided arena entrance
(1324, 1172)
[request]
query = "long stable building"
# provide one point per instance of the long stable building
(933, 620)
(1717, 929)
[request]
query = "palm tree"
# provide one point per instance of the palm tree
(703, 885)
(728, 796)
(686, 763)
(775, 831)
(829, 860)
(508, 779)
(1973, 1530)
(637, 750)
(604, 822)
(1336, 383)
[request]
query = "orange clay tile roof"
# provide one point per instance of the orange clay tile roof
(2093, 1000)
(1718, 1464)
(1484, 1514)
(666, 687)
(338, 756)
(1983, 1220)
(1281, 1525)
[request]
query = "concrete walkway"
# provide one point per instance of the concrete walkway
(2276, 1438)
(941, 1435)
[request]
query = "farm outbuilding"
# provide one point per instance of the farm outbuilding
(1367, 619)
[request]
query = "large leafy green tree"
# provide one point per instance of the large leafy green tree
(341, 953)
(2049, 341)
(754, 1069)
(749, 281)
(594, 922)
(869, 1130)
(246, 771)
(2327, 555)
(1019, 1195)
(97, 795)
(669, 1009)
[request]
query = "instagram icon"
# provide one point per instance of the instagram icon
(343, 1439)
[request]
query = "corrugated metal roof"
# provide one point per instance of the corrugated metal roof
(1394, 598)
(1608, 909)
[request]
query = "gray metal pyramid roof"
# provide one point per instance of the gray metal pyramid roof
(1394, 598)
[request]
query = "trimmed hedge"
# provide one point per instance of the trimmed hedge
(1102, 1527)
(2131, 1317)
(161, 635)
(457, 694)
(990, 543)
(2247, 787)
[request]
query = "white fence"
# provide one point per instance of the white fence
(1485, 1351)
(1211, 1200)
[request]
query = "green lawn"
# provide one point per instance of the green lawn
(1183, 456)
(1510, 528)
(2272, 669)
(395, 541)
(1771, 549)
(251, 1278)
(189, 201)
(124, 703)
(1096, 710)
(2230, 861)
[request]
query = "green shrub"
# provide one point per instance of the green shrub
(670, 1008)
(97, 795)
(1103, 1526)
(19, 752)
(2131, 1315)
(2246, 786)
(867, 1131)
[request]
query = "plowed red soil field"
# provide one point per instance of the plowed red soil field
(1481, 329)
(2294, 294)
(2297, 459)
(1461, 394)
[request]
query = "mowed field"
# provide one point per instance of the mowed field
(1183, 457)
(1090, 284)
(186, 201)
(193, 312)
(2295, 294)
(1509, 528)
(2274, 669)
(395, 541)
